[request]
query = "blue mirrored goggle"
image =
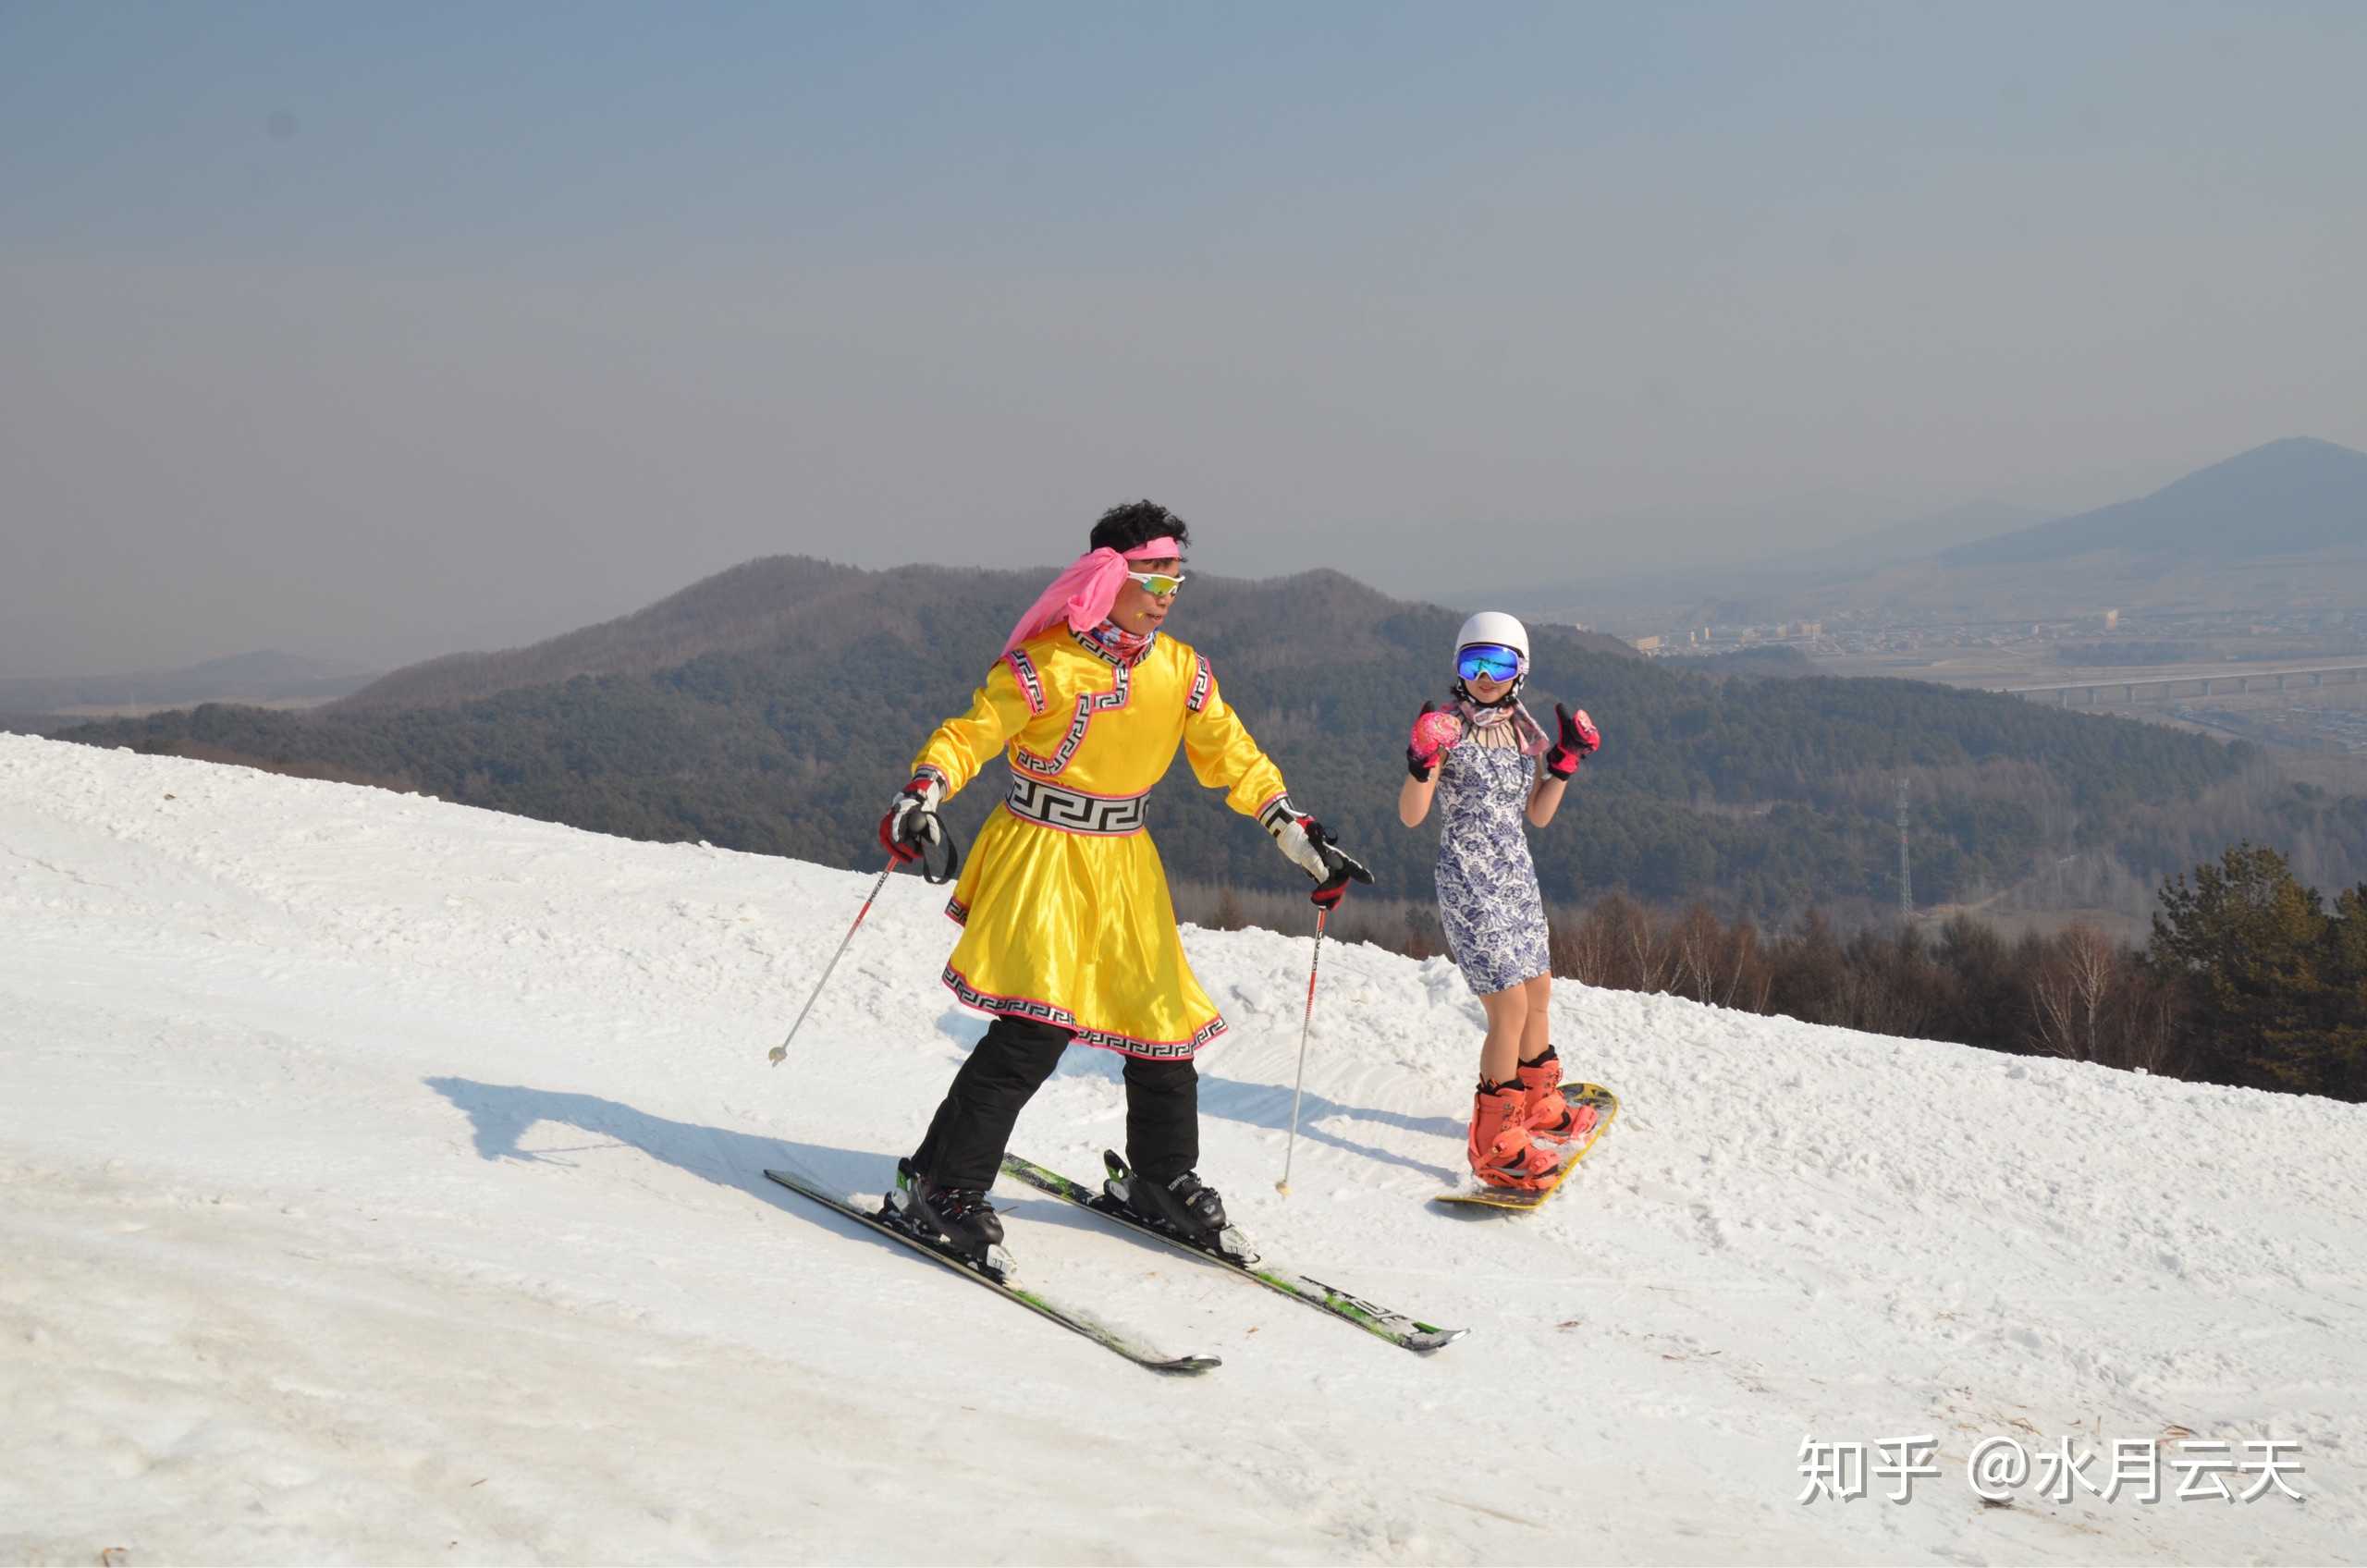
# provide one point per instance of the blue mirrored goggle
(1491, 659)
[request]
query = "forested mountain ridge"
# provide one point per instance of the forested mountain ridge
(771, 600)
(798, 609)
(1761, 796)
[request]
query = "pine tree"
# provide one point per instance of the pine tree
(2249, 942)
(2346, 997)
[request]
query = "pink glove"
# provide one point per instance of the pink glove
(1577, 741)
(1434, 731)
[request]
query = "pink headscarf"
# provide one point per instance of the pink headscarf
(1081, 595)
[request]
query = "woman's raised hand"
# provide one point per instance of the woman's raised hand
(1577, 741)
(1435, 729)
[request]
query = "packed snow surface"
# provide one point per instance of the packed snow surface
(380, 1181)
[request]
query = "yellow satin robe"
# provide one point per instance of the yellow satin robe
(1072, 927)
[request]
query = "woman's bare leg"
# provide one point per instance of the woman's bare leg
(1537, 1032)
(1507, 1023)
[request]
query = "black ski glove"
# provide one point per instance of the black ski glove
(1345, 868)
(1311, 849)
(911, 826)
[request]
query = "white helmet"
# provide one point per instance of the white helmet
(1495, 626)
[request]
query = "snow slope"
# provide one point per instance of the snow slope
(379, 1180)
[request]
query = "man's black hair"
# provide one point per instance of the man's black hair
(1138, 523)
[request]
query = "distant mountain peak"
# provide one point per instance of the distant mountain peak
(2290, 444)
(2294, 495)
(2286, 456)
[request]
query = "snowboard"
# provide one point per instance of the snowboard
(1606, 1107)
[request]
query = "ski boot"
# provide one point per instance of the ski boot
(1500, 1149)
(1183, 1208)
(960, 1214)
(1547, 1114)
(1184, 1205)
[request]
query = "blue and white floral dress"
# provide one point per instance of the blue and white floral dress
(1489, 901)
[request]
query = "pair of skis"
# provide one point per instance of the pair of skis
(995, 1277)
(1232, 1252)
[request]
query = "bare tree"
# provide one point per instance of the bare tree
(2091, 1001)
(1699, 945)
(2069, 994)
(1580, 947)
(1636, 953)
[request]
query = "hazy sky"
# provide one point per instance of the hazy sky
(386, 330)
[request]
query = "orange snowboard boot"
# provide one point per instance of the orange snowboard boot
(1547, 1114)
(1500, 1150)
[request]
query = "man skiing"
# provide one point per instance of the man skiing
(1068, 929)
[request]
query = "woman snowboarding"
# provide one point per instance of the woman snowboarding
(1068, 931)
(1476, 754)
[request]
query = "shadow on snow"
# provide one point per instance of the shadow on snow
(1252, 1105)
(501, 1114)
(1269, 1106)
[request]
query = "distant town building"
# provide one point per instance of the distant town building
(1647, 644)
(2111, 620)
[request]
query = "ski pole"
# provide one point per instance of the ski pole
(781, 1050)
(1283, 1186)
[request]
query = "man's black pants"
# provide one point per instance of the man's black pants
(967, 1139)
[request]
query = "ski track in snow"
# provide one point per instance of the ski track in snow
(380, 1181)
